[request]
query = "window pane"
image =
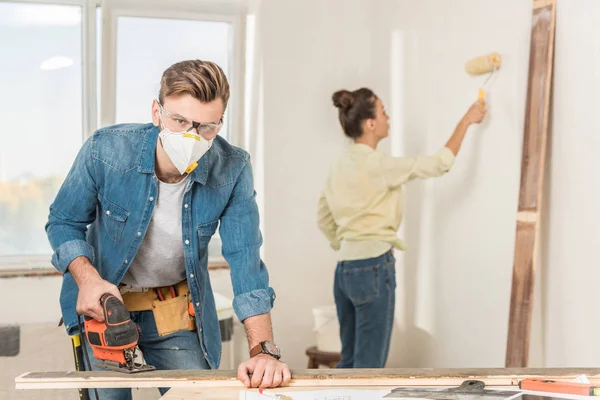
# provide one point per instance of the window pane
(148, 46)
(41, 114)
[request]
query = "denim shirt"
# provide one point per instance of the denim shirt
(103, 209)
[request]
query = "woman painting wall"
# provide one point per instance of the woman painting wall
(360, 211)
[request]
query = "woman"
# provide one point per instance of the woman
(359, 213)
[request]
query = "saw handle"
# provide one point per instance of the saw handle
(115, 312)
(113, 309)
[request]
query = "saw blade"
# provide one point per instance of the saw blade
(130, 366)
(115, 366)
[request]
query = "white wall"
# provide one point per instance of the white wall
(454, 281)
(310, 48)
(571, 248)
(460, 228)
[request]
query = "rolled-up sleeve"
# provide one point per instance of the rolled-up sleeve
(69, 251)
(241, 241)
(73, 209)
(400, 170)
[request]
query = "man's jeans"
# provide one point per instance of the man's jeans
(179, 350)
(364, 293)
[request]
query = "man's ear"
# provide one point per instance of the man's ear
(155, 113)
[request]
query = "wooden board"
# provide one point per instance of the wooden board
(234, 393)
(532, 179)
(300, 378)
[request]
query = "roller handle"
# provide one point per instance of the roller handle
(481, 95)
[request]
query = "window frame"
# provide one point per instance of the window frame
(230, 11)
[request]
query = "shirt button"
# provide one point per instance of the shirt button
(126, 261)
(151, 198)
(205, 354)
(191, 275)
(200, 329)
(139, 233)
(197, 304)
(185, 205)
(107, 212)
(187, 241)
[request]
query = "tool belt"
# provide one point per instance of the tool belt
(171, 306)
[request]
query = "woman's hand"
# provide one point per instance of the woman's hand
(476, 113)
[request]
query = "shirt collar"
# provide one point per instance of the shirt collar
(365, 148)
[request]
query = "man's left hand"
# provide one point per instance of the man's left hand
(267, 372)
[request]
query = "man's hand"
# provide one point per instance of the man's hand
(91, 288)
(267, 372)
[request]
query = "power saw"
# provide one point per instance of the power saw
(115, 340)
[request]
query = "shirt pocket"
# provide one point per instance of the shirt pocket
(205, 233)
(362, 283)
(112, 218)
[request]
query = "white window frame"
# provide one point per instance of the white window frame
(231, 11)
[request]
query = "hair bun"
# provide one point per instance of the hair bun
(343, 99)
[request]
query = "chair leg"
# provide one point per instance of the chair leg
(312, 363)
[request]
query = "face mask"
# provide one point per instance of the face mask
(184, 149)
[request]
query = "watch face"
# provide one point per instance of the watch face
(271, 348)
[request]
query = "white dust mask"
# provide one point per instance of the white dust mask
(184, 149)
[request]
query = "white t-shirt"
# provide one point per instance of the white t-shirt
(160, 261)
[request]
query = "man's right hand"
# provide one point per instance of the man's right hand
(91, 288)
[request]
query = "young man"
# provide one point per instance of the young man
(134, 218)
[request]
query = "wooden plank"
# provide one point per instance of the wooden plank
(498, 377)
(532, 180)
(234, 393)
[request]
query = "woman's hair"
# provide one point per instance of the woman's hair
(355, 107)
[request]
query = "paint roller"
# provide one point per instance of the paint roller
(483, 65)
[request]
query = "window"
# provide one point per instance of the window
(57, 72)
(40, 109)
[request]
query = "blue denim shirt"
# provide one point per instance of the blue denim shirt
(103, 209)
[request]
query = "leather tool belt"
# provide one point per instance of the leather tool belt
(171, 306)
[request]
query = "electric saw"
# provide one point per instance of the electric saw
(115, 340)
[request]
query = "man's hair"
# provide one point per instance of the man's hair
(203, 80)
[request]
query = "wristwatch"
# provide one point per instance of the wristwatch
(266, 347)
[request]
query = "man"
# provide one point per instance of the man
(134, 218)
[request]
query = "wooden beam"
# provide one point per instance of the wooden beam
(190, 393)
(537, 110)
(499, 377)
